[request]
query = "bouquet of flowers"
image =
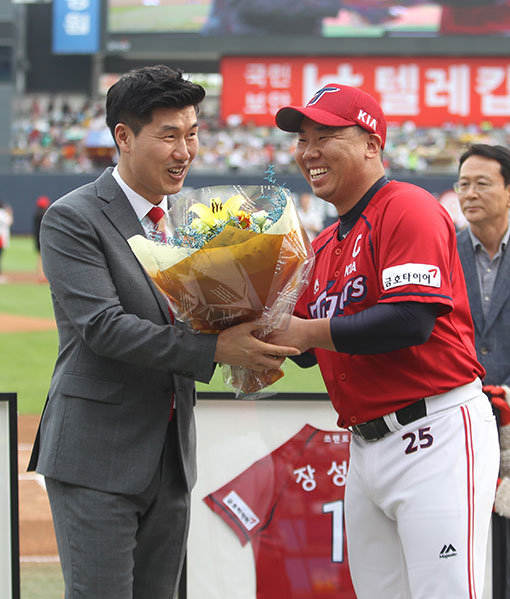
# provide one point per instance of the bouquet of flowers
(226, 255)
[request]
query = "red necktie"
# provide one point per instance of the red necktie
(156, 214)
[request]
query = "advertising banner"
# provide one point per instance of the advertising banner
(430, 92)
(76, 26)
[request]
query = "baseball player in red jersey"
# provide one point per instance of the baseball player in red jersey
(386, 316)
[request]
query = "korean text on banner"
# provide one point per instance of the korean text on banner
(76, 26)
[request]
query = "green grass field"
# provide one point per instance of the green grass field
(27, 358)
(41, 581)
(20, 256)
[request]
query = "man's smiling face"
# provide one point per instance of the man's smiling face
(155, 162)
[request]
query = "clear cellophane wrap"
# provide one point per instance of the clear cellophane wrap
(237, 276)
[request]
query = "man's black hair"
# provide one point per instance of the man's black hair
(134, 97)
(498, 153)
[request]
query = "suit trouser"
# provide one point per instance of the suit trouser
(114, 546)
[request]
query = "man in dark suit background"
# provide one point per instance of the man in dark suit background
(483, 188)
(116, 442)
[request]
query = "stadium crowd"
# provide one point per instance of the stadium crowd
(68, 134)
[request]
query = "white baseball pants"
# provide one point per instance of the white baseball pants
(418, 502)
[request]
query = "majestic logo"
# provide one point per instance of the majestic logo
(320, 93)
(367, 119)
(448, 551)
(328, 305)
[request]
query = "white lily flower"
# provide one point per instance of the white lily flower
(260, 219)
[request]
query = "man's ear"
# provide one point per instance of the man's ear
(507, 190)
(123, 135)
(374, 143)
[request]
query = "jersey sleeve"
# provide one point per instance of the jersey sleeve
(246, 502)
(415, 249)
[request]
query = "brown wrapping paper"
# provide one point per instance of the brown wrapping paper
(238, 276)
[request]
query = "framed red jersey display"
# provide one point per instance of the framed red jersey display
(267, 512)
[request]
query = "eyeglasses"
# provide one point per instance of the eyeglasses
(462, 187)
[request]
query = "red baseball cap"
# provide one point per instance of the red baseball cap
(337, 106)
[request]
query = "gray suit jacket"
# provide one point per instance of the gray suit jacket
(492, 334)
(119, 358)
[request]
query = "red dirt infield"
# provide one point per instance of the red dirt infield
(37, 538)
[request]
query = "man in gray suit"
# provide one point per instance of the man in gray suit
(484, 196)
(116, 442)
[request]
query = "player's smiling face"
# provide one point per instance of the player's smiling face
(334, 160)
(483, 196)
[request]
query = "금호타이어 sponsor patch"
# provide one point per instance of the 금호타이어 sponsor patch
(411, 274)
(241, 510)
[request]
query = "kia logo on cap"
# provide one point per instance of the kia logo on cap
(367, 119)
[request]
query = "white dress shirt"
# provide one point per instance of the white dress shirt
(141, 206)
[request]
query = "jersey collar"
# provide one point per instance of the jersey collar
(348, 220)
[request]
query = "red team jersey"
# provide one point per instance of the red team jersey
(402, 248)
(289, 505)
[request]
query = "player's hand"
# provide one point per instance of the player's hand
(238, 346)
(303, 334)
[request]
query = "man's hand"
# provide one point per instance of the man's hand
(238, 346)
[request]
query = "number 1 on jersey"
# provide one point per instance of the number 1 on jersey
(337, 529)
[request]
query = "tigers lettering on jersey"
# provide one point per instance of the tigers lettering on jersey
(328, 305)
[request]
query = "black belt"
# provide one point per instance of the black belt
(376, 429)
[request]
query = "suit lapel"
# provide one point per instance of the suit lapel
(120, 213)
(501, 289)
(117, 208)
(467, 258)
